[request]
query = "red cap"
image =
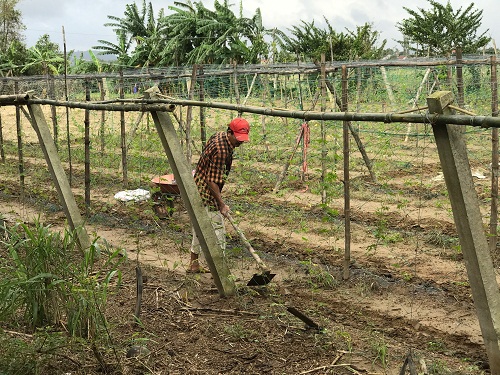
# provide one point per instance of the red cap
(240, 128)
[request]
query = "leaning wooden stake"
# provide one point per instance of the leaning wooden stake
(58, 175)
(192, 200)
(388, 87)
(469, 222)
(415, 100)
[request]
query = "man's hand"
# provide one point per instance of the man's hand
(224, 209)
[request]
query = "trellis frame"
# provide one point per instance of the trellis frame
(451, 148)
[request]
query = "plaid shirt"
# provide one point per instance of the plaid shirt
(214, 165)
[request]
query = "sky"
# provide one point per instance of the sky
(83, 20)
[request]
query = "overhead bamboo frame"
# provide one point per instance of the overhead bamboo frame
(168, 105)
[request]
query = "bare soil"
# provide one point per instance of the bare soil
(407, 293)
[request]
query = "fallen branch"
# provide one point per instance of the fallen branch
(221, 311)
(333, 364)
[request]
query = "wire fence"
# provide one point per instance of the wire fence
(403, 155)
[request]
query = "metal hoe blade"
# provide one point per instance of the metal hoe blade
(261, 279)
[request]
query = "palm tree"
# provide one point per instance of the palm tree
(120, 50)
(183, 31)
(200, 35)
(151, 46)
(255, 31)
(139, 29)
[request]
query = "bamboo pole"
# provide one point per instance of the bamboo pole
(87, 150)
(460, 78)
(19, 146)
(123, 135)
(250, 89)
(388, 88)
(68, 133)
(265, 90)
(493, 237)
(189, 113)
(52, 95)
(415, 100)
(203, 125)
(168, 105)
(303, 137)
(2, 148)
(102, 90)
(323, 130)
(347, 191)
(235, 82)
(270, 69)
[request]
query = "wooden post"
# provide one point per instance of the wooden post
(324, 151)
(494, 159)
(235, 82)
(192, 200)
(189, 113)
(347, 190)
(203, 123)
(2, 148)
(87, 149)
(355, 135)
(51, 92)
(19, 145)
(68, 133)
(460, 78)
(123, 134)
(102, 90)
(468, 220)
(56, 170)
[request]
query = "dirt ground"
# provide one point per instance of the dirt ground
(406, 297)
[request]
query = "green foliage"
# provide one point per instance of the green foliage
(45, 281)
(318, 277)
(194, 34)
(44, 58)
(12, 25)
(440, 30)
(379, 348)
(310, 41)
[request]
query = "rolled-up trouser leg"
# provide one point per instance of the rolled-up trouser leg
(217, 221)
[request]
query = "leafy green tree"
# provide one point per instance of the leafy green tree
(44, 58)
(364, 43)
(310, 41)
(13, 53)
(11, 26)
(13, 59)
(440, 30)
